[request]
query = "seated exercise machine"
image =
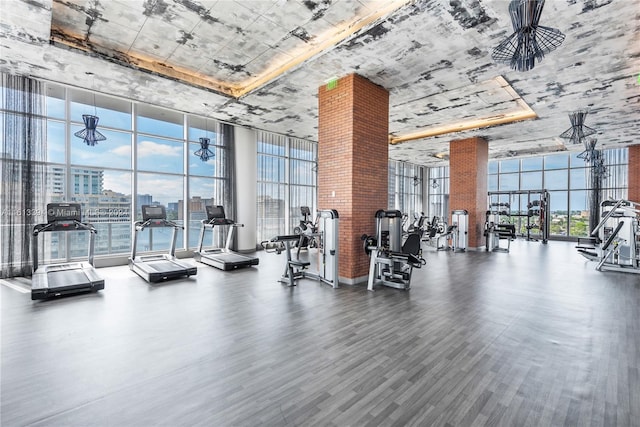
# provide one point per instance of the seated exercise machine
(496, 230)
(392, 263)
(418, 225)
(434, 231)
(460, 219)
(306, 230)
(616, 238)
(155, 268)
(52, 280)
(222, 258)
(455, 237)
(327, 254)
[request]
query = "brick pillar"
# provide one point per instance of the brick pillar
(634, 173)
(353, 164)
(468, 159)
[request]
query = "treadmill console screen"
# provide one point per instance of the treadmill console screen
(153, 212)
(215, 212)
(64, 212)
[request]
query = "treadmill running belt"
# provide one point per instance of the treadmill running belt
(163, 265)
(231, 258)
(67, 279)
(228, 261)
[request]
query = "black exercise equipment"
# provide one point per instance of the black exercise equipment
(534, 221)
(391, 264)
(306, 230)
(51, 280)
(615, 240)
(327, 254)
(222, 258)
(155, 268)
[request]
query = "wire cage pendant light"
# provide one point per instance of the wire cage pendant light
(578, 130)
(589, 149)
(204, 153)
(89, 134)
(529, 42)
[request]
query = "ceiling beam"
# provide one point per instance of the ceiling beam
(63, 37)
(524, 112)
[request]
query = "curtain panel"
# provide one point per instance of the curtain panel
(23, 171)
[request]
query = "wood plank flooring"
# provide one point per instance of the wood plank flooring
(535, 337)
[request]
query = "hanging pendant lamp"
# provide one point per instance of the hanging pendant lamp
(529, 41)
(89, 134)
(578, 130)
(204, 153)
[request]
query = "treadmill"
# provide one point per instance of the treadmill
(222, 258)
(155, 268)
(52, 280)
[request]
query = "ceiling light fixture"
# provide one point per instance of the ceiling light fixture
(89, 134)
(589, 150)
(529, 41)
(204, 153)
(578, 130)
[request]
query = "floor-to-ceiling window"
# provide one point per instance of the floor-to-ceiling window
(148, 152)
(438, 188)
(567, 178)
(405, 188)
(286, 181)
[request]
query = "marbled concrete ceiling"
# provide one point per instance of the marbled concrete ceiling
(260, 63)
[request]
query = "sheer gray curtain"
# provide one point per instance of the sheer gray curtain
(595, 193)
(23, 171)
(227, 163)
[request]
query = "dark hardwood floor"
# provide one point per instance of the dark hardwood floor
(535, 337)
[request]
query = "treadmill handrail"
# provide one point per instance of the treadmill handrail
(53, 226)
(218, 222)
(141, 225)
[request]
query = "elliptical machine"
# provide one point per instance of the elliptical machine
(391, 262)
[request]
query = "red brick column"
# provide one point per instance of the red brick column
(353, 164)
(468, 159)
(634, 173)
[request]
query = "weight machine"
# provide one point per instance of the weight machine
(616, 238)
(527, 211)
(326, 238)
(435, 231)
(460, 232)
(306, 230)
(391, 262)
(497, 227)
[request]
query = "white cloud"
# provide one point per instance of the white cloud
(164, 190)
(150, 148)
(123, 150)
(118, 181)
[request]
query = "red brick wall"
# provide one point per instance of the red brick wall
(468, 160)
(634, 173)
(353, 156)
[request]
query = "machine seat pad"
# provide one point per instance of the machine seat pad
(296, 263)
